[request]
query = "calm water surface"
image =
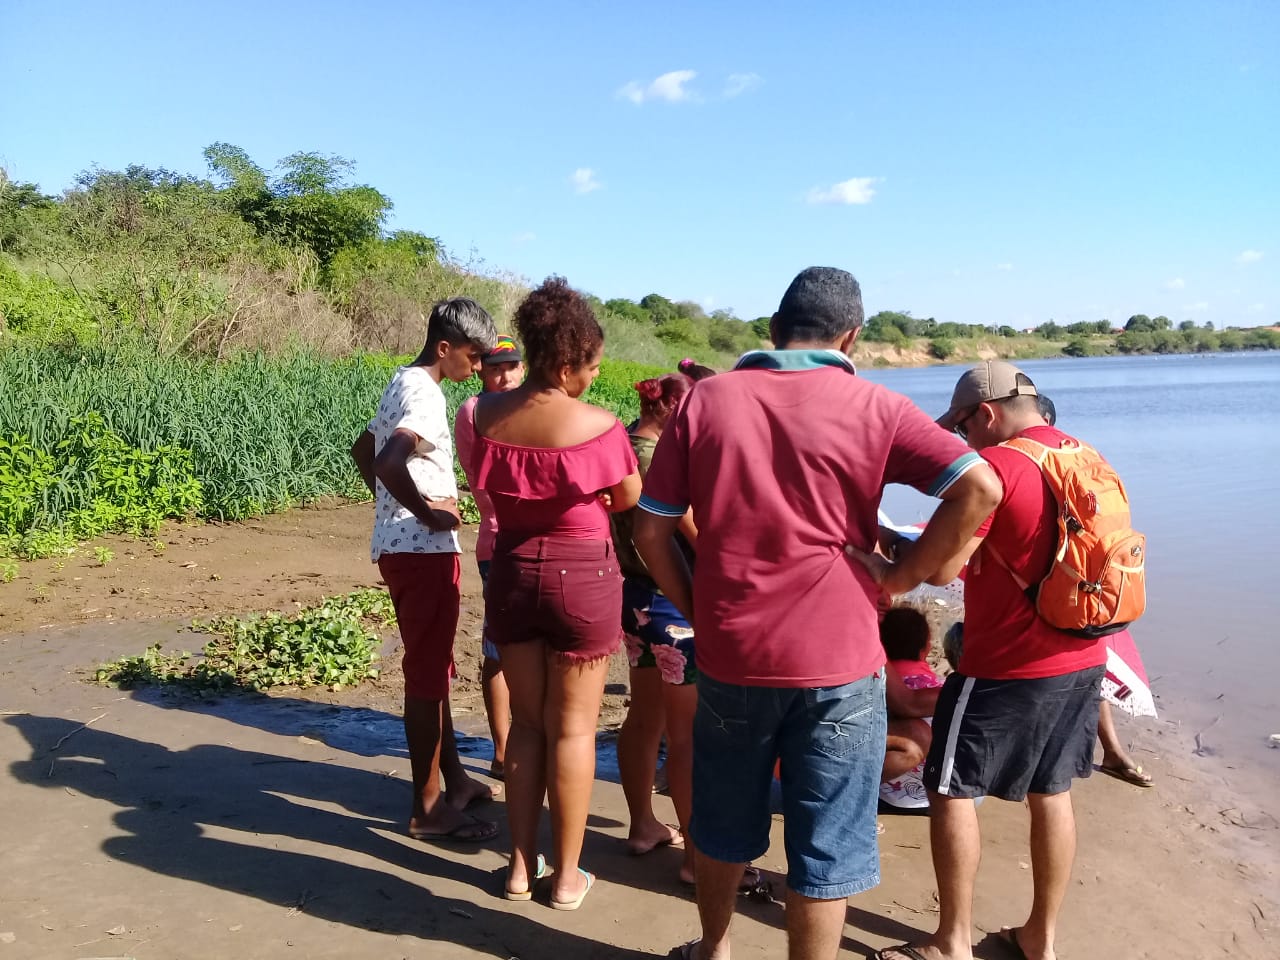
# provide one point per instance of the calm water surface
(1197, 442)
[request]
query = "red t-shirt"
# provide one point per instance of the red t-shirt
(783, 465)
(1004, 637)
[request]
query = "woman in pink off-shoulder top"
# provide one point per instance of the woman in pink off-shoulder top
(554, 467)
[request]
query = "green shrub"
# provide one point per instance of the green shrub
(41, 310)
(942, 348)
(330, 644)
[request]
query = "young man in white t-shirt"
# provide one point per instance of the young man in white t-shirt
(406, 458)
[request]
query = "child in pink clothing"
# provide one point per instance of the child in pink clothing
(911, 693)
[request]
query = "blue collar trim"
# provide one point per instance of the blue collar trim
(793, 360)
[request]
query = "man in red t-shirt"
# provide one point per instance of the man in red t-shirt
(1018, 718)
(783, 461)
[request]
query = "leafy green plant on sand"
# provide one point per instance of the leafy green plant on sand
(332, 643)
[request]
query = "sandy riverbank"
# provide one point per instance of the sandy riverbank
(271, 826)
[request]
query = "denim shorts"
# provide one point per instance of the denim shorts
(1008, 738)
(830, 741)
(561, 591)
(656, 634)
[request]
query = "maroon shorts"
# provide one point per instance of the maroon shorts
(564, 592)
(424, 590)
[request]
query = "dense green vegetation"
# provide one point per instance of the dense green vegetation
(113, 439)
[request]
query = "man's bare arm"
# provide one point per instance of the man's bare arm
(655, 541)
(362, 454)
(391, 466)
(948, 539)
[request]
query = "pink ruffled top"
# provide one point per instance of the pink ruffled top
(552, 491)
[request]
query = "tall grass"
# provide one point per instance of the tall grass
(257, 434)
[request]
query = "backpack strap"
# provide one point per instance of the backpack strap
(995, 555)
(1037, 453)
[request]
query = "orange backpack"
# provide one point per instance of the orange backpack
(1096, 584)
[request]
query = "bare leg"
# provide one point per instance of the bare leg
(814, 927)
(1114, 755)
(1053, 848)
(638, 742)
(957, 849)
(526, 762)
(680, 704)
(497, 707)
(717, 894)
(461, 789)
(571, 710)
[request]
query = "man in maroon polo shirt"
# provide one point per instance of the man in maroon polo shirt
(1018, 717)
(783, 461)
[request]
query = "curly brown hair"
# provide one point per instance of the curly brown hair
(558, 327)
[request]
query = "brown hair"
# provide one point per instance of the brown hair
(662, 392)
(557, 327)
(694, 370)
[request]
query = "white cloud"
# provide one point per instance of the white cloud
(669, 87)
(859, 190)
(1196, 307)
(740, 83)
(1005, 267)
(1177, 283)
(584, 180)
(1257, 308)
(1249, 256)
(520, 239)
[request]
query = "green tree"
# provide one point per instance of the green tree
(760, 327)
(1187, 325)
(1161, 323)
(309, 203)
(660, 309)
(1139, 323)
(1050, 330)
(1231, 340)
(24, 212)
(1008, 331)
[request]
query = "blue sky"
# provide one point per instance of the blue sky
(983, 162)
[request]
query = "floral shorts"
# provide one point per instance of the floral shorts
(656, 634)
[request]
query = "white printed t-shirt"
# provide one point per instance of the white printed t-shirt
(414, 401)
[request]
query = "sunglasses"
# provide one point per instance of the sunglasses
(960, 429)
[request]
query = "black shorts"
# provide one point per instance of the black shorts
(1008, 738)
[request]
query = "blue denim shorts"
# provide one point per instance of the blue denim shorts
(831, 743)
(487, 647)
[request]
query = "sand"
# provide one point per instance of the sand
(142, 824)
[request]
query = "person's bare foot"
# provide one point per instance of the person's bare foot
(1024, 946)
(443, 822)
(647, 838)
(468, 792)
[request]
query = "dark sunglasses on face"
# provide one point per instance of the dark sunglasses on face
(960, 429)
